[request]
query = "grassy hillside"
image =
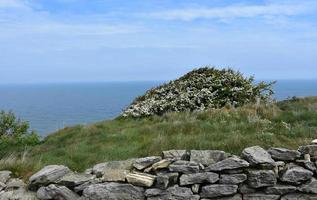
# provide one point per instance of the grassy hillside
(284, 124)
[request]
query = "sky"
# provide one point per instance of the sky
(120, 40)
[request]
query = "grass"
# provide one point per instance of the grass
(284, 124)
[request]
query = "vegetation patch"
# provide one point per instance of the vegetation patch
(198, 90)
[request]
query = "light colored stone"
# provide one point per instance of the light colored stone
(195, 188)
(142, 163)
(206, 177)
(48, 174)
(207, 157)
(314, 141)
(5, 176)
(113, 170)
(159, 165)
(257, 155)
(141, 179)
(218, 190)
(20, 194)
(261, 178)
(113, 191)
(15, 183)
(56, 192)
(228, 164)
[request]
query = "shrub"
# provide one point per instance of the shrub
(200, 89)
(15, 134)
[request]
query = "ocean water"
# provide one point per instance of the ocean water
(49, 107)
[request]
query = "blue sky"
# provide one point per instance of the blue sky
(121, 40)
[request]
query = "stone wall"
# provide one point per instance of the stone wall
(258, 174)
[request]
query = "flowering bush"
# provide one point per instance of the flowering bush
(200, 89)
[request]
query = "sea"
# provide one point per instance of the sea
(50, 107)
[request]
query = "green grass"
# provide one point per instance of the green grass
(283, 124)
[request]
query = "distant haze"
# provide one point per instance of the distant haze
(121, 40)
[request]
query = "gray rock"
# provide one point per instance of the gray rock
(299, 196)
(284, 154)
(176, 154)
(228, 164)
(232, 179)
(233, 171)
(80, 188)
(186, 167)
(141, 179)
(280, 189)
(2, 186)
(235, 197)
(113, 191)
(206, 177)
(166, 179)
(261, 178)
(15, 183)
(5, 176)
(207, 157)
(74, 179)
(256, 155)
(47, 175)
(246, 189)
(195, 188)
(20, 194)
(218, 190)
(310, 187)
(114, 170)
(310, 166)
(142, 163)
(296, 175)
(56, 192)
(172, 193)
(308, 149)
(260, 196)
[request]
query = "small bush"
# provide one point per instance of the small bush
(15, 134)
(200, 89)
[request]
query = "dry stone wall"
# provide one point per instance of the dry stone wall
(257, 174)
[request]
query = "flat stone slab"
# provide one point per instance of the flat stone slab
(228, 164)
(74, 179)
(172, 193)
(142, 163)
(257, 155)
(206, 177)
(310, 187)
(141, 179)
(218, 190)
(284, 154)
(185, 167)
(261, 178)
(260, 196)
(232, 179)
(113, 191)
(207, 157)
(299, 196)
(48, 174)
(280, 189)
(235, 197)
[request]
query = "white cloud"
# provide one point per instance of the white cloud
(15, 4)
(236, 11)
